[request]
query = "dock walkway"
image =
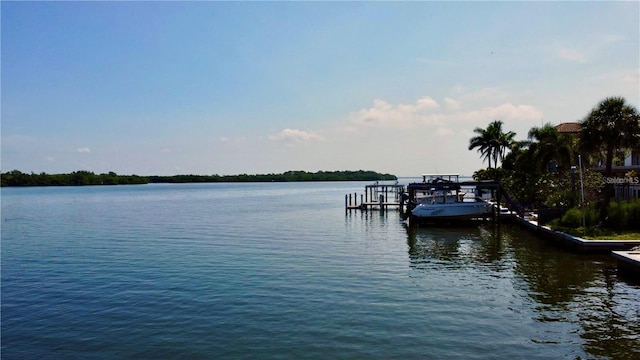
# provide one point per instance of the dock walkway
(376, 195)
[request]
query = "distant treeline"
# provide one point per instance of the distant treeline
(18, 178)
(76, 178)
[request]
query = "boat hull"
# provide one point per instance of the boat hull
(451, 212)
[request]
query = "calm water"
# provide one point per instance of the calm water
(280, 271)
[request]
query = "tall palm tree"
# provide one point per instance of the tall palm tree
(610, 127)
(491, 142)
(504, 142)
(483, 143)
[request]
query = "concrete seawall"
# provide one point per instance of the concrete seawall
(577, 243)
(628, 261)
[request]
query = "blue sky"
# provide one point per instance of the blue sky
(163, 88)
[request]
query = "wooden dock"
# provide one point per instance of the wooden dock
(376, 196)
(383, 196)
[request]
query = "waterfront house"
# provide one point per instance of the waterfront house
(625, 186)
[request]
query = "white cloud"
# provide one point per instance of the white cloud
(383, 114)
(295, 135)
(569, 54)
(426, 114)
(586, 52)
(611, 39)
(482, 96)
(84, 150)
(502, 112)
(451, 104)
(233, 141)
(443, 131)
(426, 103)
(620, 77)
(439, 135)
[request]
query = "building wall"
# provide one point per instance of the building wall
(627, 191)
(633, 159)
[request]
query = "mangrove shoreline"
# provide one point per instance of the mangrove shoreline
(83, 178)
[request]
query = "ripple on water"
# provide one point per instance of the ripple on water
(243, 270)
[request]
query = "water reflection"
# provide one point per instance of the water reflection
(482, 244)
(566, 288)
(581, 289)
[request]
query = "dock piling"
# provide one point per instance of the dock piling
(376, 195)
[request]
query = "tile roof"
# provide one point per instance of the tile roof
(569, 127)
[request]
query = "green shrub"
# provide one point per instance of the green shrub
(617, 216)
(623, 215)
(592, 216)
(573, 217)
(634, 214)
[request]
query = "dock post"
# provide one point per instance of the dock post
(346, 205)
(361, 202)
(499, 193)
(381, 200)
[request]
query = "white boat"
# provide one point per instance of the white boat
(446, 205)
(442, 199)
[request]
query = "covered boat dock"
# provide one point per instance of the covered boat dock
(376, 196)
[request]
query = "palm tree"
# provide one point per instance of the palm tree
(547, 144)
(482, 142)
(504, 142)
(611, 126)
(491, 142)
(517, 151)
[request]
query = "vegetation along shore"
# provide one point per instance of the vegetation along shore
(581, 177)
(78, 178)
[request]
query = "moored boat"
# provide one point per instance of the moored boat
(442, 199)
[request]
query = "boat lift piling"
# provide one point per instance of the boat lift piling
(417, 192)
(383, 196)
(376, 196)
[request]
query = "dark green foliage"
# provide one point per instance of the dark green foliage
(77, 178)
(618, 215)
(610, 126)
(634, 214)
(573, 217)
(623, 215)
(288, 176)
(491, 142)
(552, 170)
